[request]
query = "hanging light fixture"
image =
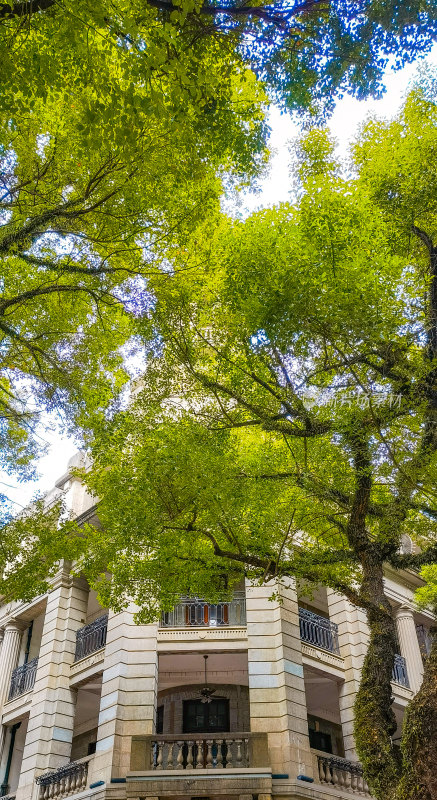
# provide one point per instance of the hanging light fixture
(206, 692)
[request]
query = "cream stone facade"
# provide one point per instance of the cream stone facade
(94, 706)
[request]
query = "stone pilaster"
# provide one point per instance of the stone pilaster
(276, 682)
(129, 691)
(353, 637)
(51, 718)
(409, 645)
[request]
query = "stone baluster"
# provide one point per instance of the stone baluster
(229, 755)
(190, 755)
(239, 755)
(159, 754)
(180, 755)
(246, 751)
(199, 757)
(170, 764)
(209, 753)
(219, 753)
(321, 770)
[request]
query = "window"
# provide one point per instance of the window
(320, 741)
(210, 717)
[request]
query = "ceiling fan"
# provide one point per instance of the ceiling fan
(206, 692)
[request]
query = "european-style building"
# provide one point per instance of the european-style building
(248, 699)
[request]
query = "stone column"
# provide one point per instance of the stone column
(51, 717)
(9, 656)
(409, 645)
(276, 682)
(353, 638)
(8, 661)
(129, 691)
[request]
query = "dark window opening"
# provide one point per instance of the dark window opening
(160, 719)
(210, 717)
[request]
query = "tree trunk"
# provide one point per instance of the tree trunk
(375, 721)
(419, 740)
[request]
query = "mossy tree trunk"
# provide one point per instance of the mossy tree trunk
(419, 740)
(375, 722)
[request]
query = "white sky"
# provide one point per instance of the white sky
(349, 114)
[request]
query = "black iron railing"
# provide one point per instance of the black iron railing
(194, 612)
(91, 638)
(424, 638)
(318, 631)
(23, 679)
(69, 779)
(400, 674)
(336, 771)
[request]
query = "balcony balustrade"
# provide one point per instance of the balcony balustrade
(23, 679)
(194, 612)
(199, 751)
(400, 674)
(69, 779)
(347, 775)
(318, 631)
(91, 638)
(424, 638)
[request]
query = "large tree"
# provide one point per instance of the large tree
(116, 124)
(285, 424)
(306, 51)
(84, 210)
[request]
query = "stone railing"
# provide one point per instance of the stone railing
(399, 673)
(23, 679)
(195, 612)
(69, 779)
(336, 771)
(91, 638)
(318, 631)
(198, 752)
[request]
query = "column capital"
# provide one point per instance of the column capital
(15, 624)
(404, 610)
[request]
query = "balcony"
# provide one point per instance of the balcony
(400, 674)
(223, 765)
(69, 779)
(338, 772)
(91, 638)
(195, 752)
(192, 612)
(318, 631)
(23, 679)
(188, 751)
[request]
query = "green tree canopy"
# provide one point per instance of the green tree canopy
(305, 51)
(285, 423)
(85, 208)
